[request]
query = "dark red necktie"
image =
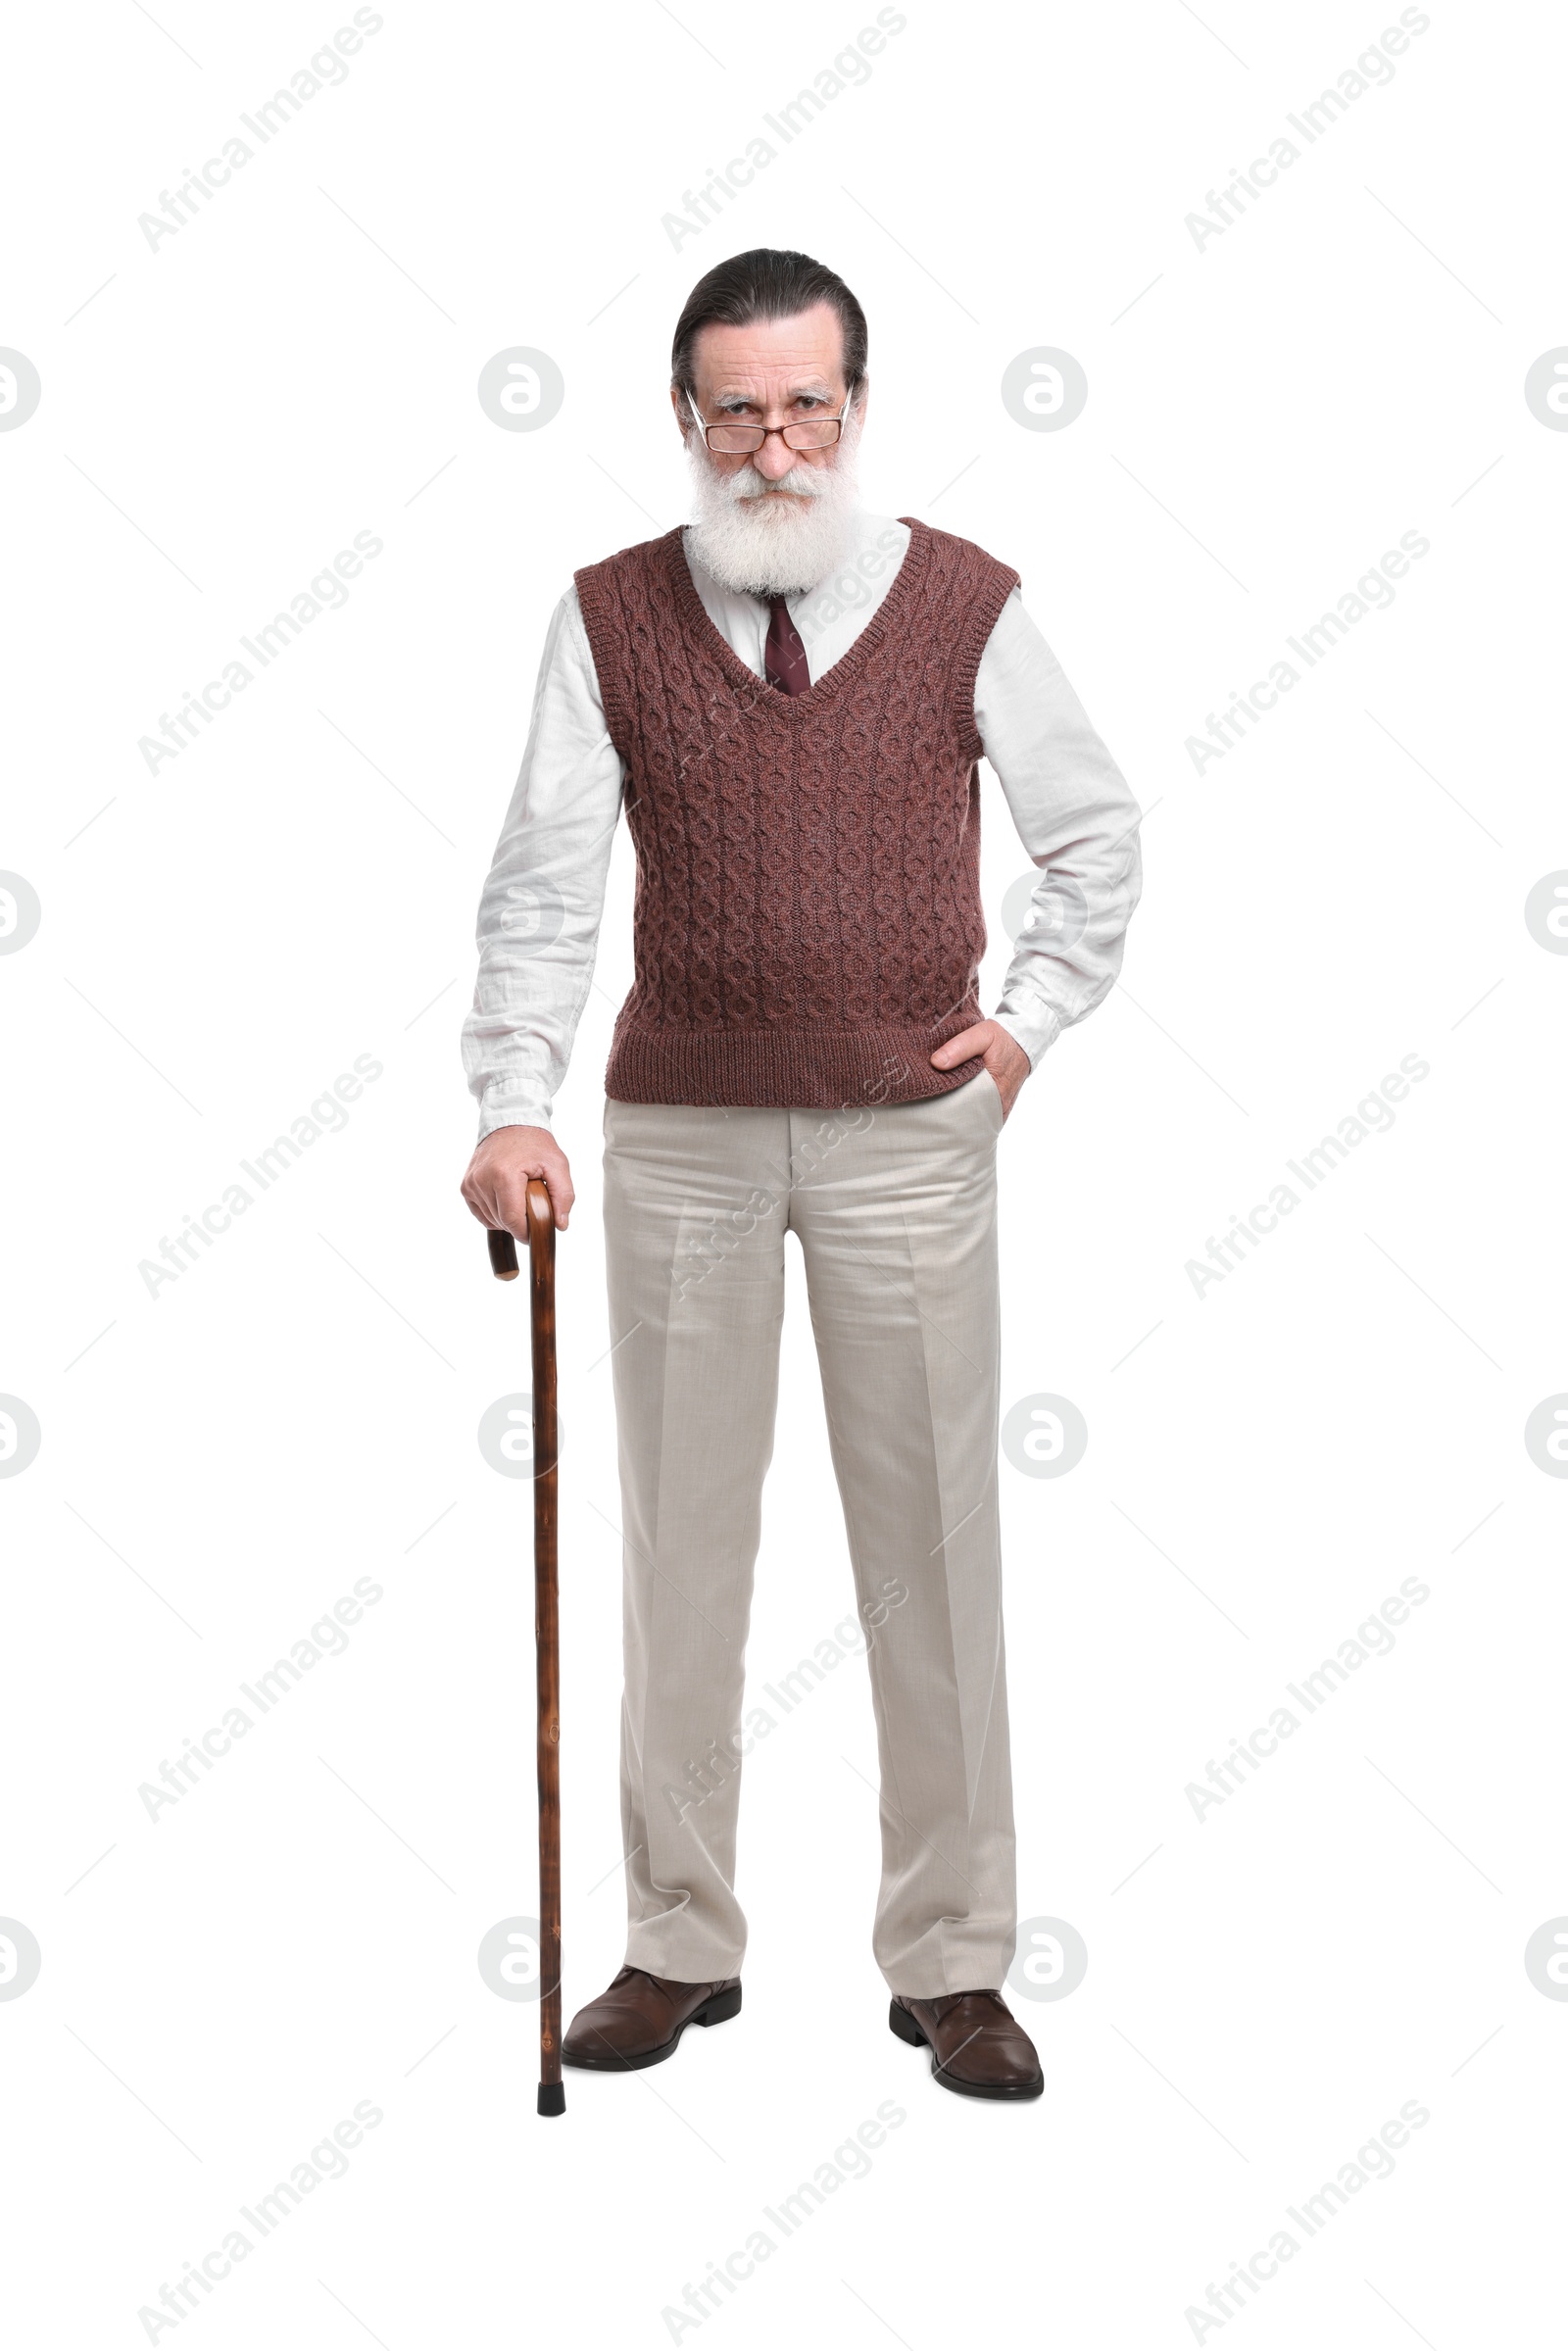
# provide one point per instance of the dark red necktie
(785, 656)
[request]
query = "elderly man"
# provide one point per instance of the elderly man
(790, 700)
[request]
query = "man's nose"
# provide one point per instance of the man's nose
(773, 460)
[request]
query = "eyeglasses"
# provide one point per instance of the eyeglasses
(740, 440)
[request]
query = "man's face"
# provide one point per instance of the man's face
(774, 372)
(773, 521)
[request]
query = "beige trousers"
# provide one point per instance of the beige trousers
(895, 1208)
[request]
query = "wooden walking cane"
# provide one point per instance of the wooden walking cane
(546, 1618)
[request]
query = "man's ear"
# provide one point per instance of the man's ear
(683, 414)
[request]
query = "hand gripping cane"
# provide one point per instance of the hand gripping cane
(546, 1624)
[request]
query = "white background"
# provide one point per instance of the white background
(220, 1463)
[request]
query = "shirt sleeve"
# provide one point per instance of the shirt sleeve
(1077, 819)
(543, 899)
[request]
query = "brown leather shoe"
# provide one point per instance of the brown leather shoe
(977, 2046)
(640, 2018)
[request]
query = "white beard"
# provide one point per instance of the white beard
(760, 542)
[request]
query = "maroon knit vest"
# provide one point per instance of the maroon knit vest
(808, 926)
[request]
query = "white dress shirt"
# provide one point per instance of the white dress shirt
(543, 899)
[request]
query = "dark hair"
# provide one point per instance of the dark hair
(766, 284)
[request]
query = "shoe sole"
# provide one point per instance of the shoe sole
(717, 2011)
(908, 2029)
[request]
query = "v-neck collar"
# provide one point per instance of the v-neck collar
(901, 590)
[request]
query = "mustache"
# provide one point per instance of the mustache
(805, 481)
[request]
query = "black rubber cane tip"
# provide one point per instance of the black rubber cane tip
(552, 2097)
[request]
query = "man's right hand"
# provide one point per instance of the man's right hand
(496, 1185)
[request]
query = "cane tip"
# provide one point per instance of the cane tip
(552, 2097)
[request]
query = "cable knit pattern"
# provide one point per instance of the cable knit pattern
(808, 926)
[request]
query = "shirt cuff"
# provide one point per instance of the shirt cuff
(1036, 1029)
(513, 1114)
